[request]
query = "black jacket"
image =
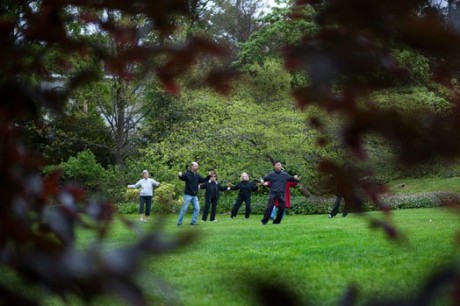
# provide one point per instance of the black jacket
(278, 181)
(213, 190)
(191, 182)
(245, 188)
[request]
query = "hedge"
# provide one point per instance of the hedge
(306, 206)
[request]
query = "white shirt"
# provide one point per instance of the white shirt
(146, 185)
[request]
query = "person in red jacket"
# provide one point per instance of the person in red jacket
(287, 197)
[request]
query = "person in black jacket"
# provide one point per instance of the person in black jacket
(213, 189)
(245, 188)
(192, 179)
(278, 180)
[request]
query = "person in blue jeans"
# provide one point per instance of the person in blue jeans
(192, 179)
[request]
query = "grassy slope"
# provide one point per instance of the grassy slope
(425, 185)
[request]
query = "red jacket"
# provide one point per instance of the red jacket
(287, 193)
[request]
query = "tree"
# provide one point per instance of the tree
(231, 135)
(233, 21)
(38, 217)
(279, 28)
(340, 61)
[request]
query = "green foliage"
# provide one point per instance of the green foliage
(60, 138)
(165, 198)
(128, 208)
(277, 32)
(131, 195)
(410, 99)
(265, 82)
(422, 200)
(231, 135)
(84, 169)
(417, 65)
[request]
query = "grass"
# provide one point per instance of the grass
(416, 185)
(315, 257)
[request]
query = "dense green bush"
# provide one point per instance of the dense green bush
(422, 200)
(418, 66)
(312, 205)
(165, 199)
(127, 208)
(131, 195)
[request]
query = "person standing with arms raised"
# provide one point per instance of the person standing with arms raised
(146, 185)
(213, 189)
(278, 180)
(192, 179)
(245, 188)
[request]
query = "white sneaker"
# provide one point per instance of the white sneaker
(214, 220)
(203, 221)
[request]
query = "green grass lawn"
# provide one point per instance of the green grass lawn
(318, 258)
(414, 185)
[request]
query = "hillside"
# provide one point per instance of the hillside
(415, 185)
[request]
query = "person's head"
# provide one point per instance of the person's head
(212, 175)
(145, 174)
(194, 166)
(244, 176)
(277, 166)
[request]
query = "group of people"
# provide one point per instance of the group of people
(277, 180)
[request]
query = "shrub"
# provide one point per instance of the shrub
(422, 200)
(127, 208)
(165, 203)
(83, 168)
(164, 199)
(131, 195)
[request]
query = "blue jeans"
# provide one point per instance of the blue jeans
(196, 208)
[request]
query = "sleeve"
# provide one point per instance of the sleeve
(155, 183)
(138, 184)
(202, 186)
(236, 187)
(254, 187)
(182, 177)
(222, 188)
(203, 179)
(267, 178)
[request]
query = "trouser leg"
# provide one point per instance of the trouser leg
(183, 211)
(247, 213)
(148, 206)
(281, 208)
(196, 209)
(268, 210)
(207, 203)
(213, 209)
(335, 207)
(236, 207)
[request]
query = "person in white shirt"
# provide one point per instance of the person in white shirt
(146, 186)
